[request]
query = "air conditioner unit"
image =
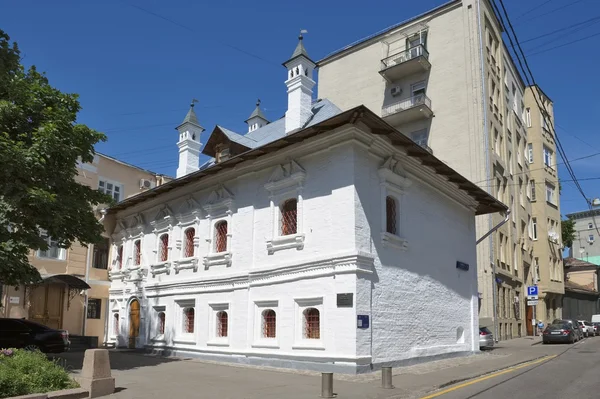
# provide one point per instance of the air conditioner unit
(396, 91)
(145, 184)
(590, 239)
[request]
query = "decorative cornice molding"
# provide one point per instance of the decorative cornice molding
(220, 198)
(286, 175)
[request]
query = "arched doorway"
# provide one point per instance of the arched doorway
(134, 322)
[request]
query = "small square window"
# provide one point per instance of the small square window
(590, 225)
(94, 308)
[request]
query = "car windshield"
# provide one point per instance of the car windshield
(485, 330)
(35, 326)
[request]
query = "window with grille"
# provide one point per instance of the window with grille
(269, 323)
(222, 320)
(163, 251)
(391, 215)
(94, 308)
(188, 320)
(221, 236)
(116, 324)
(137, 252)
(289, 220)
(161, 323)
(312, 324)
(188, 249)
(120, 257)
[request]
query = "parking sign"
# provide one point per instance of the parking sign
(532, 290)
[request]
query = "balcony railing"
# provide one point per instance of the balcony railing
(403, 56)
(405, 104)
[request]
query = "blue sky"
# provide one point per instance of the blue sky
(137, 72)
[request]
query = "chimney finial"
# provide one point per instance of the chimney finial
(194, 101)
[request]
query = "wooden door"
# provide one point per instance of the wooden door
(46, 305)
(529, 319)
(134, 322)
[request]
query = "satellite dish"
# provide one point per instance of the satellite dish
(596, 202)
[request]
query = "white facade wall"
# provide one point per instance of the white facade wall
(340, 212)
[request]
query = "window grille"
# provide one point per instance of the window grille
(312, 324)
(269, 323)
(221, 236)
(390, 215)
(189, 242)
(289, 217)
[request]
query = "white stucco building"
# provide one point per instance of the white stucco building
(325, 240)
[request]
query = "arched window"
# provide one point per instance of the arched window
(188, 249)
(161, 323)
(222, 324)
(269, 323)
(120, 257)
(188, 320)
(221, 236)
(163, 250)
(137, 252)
(312, 324)
(390, 215)
(289, 220)
(116, 324)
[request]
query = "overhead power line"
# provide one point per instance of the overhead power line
(530, 78)
(550, 12)
(564, 44)
(533, 9)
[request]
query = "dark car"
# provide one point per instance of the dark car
(575, 326)
(596, 328)
(20, 333)
(564, 333)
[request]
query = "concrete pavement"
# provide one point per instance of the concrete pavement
(145, 376)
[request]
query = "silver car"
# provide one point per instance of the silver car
(486, 338)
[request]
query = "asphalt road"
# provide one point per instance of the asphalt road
(574, 373)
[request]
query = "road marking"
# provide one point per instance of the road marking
(487, 377)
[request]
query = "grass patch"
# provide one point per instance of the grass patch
(25, 372)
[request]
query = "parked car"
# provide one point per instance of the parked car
(21, 333)
(563, 332)
(586, 327)
(576, 328)
(596, 328)
(486, 338)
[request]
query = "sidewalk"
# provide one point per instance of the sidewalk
(146, 376)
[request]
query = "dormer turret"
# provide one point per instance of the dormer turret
(257, 119)
(189, 143)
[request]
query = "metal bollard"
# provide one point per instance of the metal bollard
(327, 385)
(386, 378)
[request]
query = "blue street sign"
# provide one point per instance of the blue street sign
(532, 290)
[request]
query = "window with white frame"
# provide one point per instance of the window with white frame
(521, 196)
(510, 163)
(528, 117)
(160, 323)
(54, 251)
(550, 194)
(519, 155)
(532, 187)
(286, 203)
(502, 252)
(115, 324)
(528, 190)
(309, 323)
(534, 231)
(137, 252)
(392, 185)
(119, 259)
(421, 137)
(496, 142)
(112, 188)
(219, 324)
(530, 152)
(219, 209)
(185, 320)
(544, 120)
(269, 323)
(548, 157)
(188, 320)
(590, 225)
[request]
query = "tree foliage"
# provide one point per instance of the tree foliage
(40, 146)
(567, 228)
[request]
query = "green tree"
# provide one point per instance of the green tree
(40, 146)
(567, 227)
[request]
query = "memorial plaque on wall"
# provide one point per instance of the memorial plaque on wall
(345, 300)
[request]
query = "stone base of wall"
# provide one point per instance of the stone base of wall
(76, 393)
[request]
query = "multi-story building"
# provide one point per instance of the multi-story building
(74, 276)
(446, 79)
(586, 245)
(543, 191)
(305, 242)
(581, 299)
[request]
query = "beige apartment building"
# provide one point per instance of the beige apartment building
(545, 206)
(446, 79)
(60, 300)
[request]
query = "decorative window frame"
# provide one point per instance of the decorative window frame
(158, 337)
(181, 336)
(213, 339)
(393, 184)
(259, 340)
(118, 240)
(162, 224)
(300, 342)
(188, 217)
(220, 206)
(286, 182)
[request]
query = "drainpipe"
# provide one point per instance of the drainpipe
(487, 162)
(506, 217)
(88, 263)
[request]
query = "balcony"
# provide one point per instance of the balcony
(408, 110)
(405, 63)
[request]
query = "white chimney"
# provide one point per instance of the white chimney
(299, 84)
